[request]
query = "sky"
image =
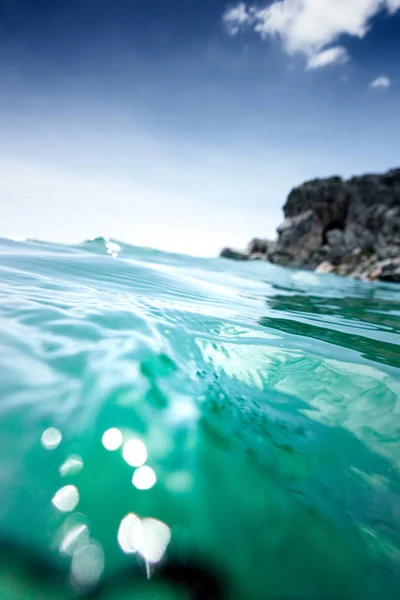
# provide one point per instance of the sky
(183, 124)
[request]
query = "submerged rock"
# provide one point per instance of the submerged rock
(351, 225)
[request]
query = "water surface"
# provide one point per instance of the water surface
(174, 427)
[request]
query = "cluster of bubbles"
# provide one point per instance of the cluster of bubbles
(134, 453)
(113, 249)
(147, 537)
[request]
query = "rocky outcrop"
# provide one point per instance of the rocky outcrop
(346, 227)
(257, 249)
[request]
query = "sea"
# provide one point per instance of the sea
(175, 427)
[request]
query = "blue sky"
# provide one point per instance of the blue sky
(184, 124)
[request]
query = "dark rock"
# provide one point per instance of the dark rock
(351, 225)
(257, 246)
(257, 249)
(335, 238)
(390, 271)
(298, 238)
(326, 198)
(348, 227)
(384, 252)
(234, 254)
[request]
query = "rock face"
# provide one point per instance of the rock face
(346, 227)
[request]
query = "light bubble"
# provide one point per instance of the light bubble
(130, 534)
(75, 537)
(180, 481)
(87, 565)
(156, 537)
(113, 249)
(112, 439)
(134, 453)
(182, 410)
(51, 438)
(144, 478)
(66, 499)
(71, 466)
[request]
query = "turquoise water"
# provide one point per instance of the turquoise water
(173, 427)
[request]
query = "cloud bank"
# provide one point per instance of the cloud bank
(309, 27)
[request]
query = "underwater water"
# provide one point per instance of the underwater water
(174, 427)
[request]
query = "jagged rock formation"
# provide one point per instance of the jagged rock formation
(346, 227)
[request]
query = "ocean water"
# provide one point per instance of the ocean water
(174, 427)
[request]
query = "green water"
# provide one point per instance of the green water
(173, 427)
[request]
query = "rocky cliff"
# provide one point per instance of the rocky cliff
(331, 225)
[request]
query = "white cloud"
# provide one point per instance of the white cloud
(336, 55)
(381, 82)
(235, 18)
(393, 5)
(309, 26)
